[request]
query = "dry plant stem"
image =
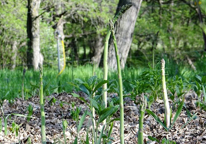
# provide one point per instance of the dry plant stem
(166, 101)
(120, 90)
(43, 127)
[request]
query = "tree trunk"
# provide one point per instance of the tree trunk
(124, 28)
(14, 54)
(201, 21)
(34, 57)
(98, 50)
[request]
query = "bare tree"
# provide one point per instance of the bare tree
(124, 28)
(34, 56)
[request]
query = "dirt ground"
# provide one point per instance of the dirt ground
(193, 133)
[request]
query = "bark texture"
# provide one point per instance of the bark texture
(61, 21)
(98, 50)
(124, 28)
(34, 56)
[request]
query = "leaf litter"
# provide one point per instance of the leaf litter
(187, 129)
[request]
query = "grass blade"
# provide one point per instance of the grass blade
(100, 84)
(94, 103)
(107, 112)
(75, 95)
(81, 121)
(5, 126)
(87, 138)
(156, 118)
(153, 139)
(100, 137)
(179, 110)
(191, 118)
(204, 93)
(110, 130)
(75, 141)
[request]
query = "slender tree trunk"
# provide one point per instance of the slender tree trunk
(124, 28)
(14, 54)
(98, 50)
(29, 35)
(34, 57)
(171, 24)
(201, 21)
(75, 54)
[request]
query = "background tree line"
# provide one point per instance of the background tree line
(171, 28)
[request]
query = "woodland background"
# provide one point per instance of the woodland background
(171, 29)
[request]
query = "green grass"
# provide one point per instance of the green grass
(11, 81)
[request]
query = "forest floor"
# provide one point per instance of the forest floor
(193, 133)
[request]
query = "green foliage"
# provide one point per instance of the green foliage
(75, 112)
(91, 86)
(15, 128)
(166, 141)
(30, 112)
(149, 82)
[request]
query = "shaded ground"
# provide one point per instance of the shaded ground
(194, 132)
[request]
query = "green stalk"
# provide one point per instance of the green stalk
(64, 124)
(22, 89)
(153, 58)
(43, 128)
(123, 9)
(94, 126)
(94, 123)
(166, 101)
(93, 111)
(143, 106)
(120, 88)
(105, 69)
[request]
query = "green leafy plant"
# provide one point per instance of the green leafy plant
(75, 112)
(15, 128)
(199, 88)
(79, 128)
(30, 112)
(163, 141)
(166, 141)
(178, 112)
(64, 124)
(95, 101)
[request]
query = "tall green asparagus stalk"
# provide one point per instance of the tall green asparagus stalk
(43, 127)
(120, 88)
(22, 88)
(123, 9)
(166, 101)
(106, 68)
(143, 106)
(93, 110)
